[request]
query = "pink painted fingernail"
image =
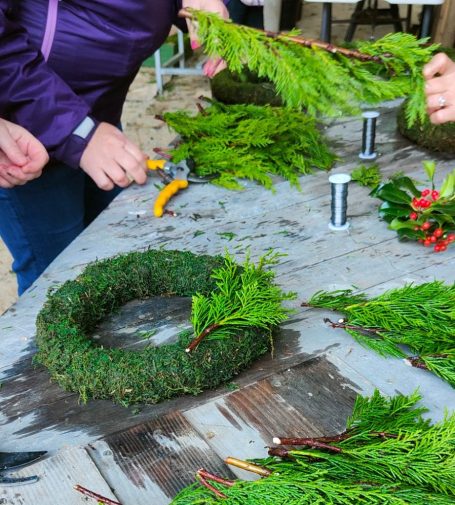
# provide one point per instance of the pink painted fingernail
(195, 45)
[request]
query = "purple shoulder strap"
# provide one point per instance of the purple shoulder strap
(49, 32)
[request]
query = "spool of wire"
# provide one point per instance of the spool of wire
(368, 135)
(339, 187)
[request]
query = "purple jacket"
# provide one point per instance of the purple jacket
(95, 54)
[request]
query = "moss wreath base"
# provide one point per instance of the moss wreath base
(73, 311)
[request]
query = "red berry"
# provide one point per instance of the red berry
(451, 237)
(437, 248)
(426, 242)
(426, 225)
(438, 232)
(433, 239)
(425, 192)
(442, 248)
(413, 216)
(435, 194)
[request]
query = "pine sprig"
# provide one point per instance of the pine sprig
(318, 77)
(245, 296)
(420, 317)
(389, 455)
(232, 142)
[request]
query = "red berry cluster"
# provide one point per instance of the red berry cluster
(428, 197)
(433, 235)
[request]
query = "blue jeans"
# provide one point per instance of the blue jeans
(39, 219)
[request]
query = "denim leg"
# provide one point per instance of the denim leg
(39, 219)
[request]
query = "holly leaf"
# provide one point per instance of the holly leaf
(396, 224)
(430, 167)
(448, 185)
(391, 193)
(407, 183)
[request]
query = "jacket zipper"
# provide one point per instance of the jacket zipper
(49, 32)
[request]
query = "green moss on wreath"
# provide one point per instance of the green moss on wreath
(245, 87)
(78, 364)
(439, 138)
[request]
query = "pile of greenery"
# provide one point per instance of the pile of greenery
(318, 77)
(388, 455)
(234, 309)
(420, 317)
(232, 142)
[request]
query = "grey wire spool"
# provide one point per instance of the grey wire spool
(339, 189)
(368, 135)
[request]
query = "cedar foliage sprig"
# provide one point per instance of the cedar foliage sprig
(388, 455)
(232, 142)
(421, 317)
(245, 296)
(323, 81)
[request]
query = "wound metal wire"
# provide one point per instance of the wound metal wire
(369, 135)
(339, 201)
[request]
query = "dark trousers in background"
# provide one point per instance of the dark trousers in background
(246, 15)
(39, 219)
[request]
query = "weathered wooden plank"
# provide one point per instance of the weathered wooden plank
(150, 463)
(57, 477)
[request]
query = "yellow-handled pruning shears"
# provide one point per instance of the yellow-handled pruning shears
(176, 177)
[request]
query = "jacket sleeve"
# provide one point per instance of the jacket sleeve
(35, 97)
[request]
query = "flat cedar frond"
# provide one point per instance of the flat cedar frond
(232, 142)
(388, 456)
(244, 296)
(317, 77)
(421, 317)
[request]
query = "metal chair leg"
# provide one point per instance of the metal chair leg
(353, 23)
(326, 22)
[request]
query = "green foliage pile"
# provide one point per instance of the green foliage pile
(231, 142)
(387, 456)
(321, 81)
(367, 175)
(72, 313)
(420, 317)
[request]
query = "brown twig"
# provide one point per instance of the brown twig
(211, 476)
(309, 442)
(249, 467)
(417, 362)
(194, 343)
(369, 332)
(310, 43)
(280, 452)
(209, 486)
(96, 496)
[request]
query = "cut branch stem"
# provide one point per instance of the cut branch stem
(249, 467)
(194, 343)
(310, 43)
(309, 442)
(96, 496)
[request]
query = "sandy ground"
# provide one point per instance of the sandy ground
(181, 93)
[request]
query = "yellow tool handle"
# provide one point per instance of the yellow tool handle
(155, 164)
(166, 194)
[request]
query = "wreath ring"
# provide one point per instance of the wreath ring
(153, 374)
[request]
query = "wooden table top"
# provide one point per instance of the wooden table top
(143, 455)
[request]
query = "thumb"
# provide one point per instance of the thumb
(12, 151)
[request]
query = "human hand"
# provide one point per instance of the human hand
(213, 65)
(440, 88)
(111, 158)
(22, 156)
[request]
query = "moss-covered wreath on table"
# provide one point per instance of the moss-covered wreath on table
(234, 309)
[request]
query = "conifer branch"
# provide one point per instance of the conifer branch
(419, 317)
(245, 296)
(317, 77)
